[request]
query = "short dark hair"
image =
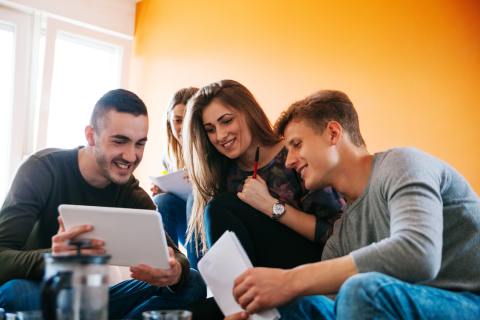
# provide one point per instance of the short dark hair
(120, 100)
(320, 108)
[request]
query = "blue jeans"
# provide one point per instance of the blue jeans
(377, 296)
(128, 299)
(175, 214)
(310, 307)
(20, 295)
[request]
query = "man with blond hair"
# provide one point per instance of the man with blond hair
(407, 244)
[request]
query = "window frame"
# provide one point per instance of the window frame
(33, 78)
(53, 28)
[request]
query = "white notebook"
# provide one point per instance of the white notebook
(221, 265)
(175, 183)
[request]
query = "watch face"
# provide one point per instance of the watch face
(278, 209)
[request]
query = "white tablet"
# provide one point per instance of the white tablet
(132, 236)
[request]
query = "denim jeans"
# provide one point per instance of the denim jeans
(310, 307)
(20, 295)
(175, 214)
(128, 299)
(377, 296)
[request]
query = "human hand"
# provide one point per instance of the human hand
(255, 193)
(156, 276)
(237, 316)
(60, 240)
(155, 189)
(262, 288)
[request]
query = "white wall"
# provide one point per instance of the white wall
(114, 15)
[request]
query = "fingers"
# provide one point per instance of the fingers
(241, 196)
(61, 225)
(243, 292)
(72, 233)
(154, 276)
(254, 306)
(241, 278)
(237, 316)
(62, 247)
(172, 259)
(60, 240)
(246, 298)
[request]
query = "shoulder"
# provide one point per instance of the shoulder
(404, 161)
(406, 156)
(401, 167)
(52, 156)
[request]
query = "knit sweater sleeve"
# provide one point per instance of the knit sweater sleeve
(20, 212)
(410, 185)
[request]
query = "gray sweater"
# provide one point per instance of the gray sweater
(418, 220)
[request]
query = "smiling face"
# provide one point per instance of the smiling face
(226, 129)
(312, 154)
(176, 121)
(118, 144)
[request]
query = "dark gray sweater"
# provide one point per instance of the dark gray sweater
(28, 218)
(418, 220)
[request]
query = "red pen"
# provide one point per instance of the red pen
(255, 163)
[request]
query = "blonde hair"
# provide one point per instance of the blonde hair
(172, 159)
(207, 168)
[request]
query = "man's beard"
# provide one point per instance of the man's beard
(103, 165)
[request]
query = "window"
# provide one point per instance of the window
(7, 62)
(52, 71)
(83, 70)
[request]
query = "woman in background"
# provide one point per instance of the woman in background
(278, 222)
(175, 211)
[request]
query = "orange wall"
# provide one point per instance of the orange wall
(412, 68)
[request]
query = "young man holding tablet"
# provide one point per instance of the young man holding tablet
(407, 244)
(99, 174)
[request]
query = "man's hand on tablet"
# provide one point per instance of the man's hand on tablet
(156, 276)
(60, 241)
(237, 316)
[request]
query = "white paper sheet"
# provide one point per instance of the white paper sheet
(175, 183)
(221, 265)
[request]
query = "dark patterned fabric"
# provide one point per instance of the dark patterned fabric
(284, 184)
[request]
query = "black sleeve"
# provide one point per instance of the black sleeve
(325, 204)
(21, 209)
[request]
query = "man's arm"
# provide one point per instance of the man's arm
(18, 216)
(413, 250)
(263, 288)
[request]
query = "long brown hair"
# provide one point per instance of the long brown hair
(207, 168)
(172, 150)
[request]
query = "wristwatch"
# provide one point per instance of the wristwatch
(278, 210)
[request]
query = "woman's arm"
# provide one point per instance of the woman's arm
(255, 193)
